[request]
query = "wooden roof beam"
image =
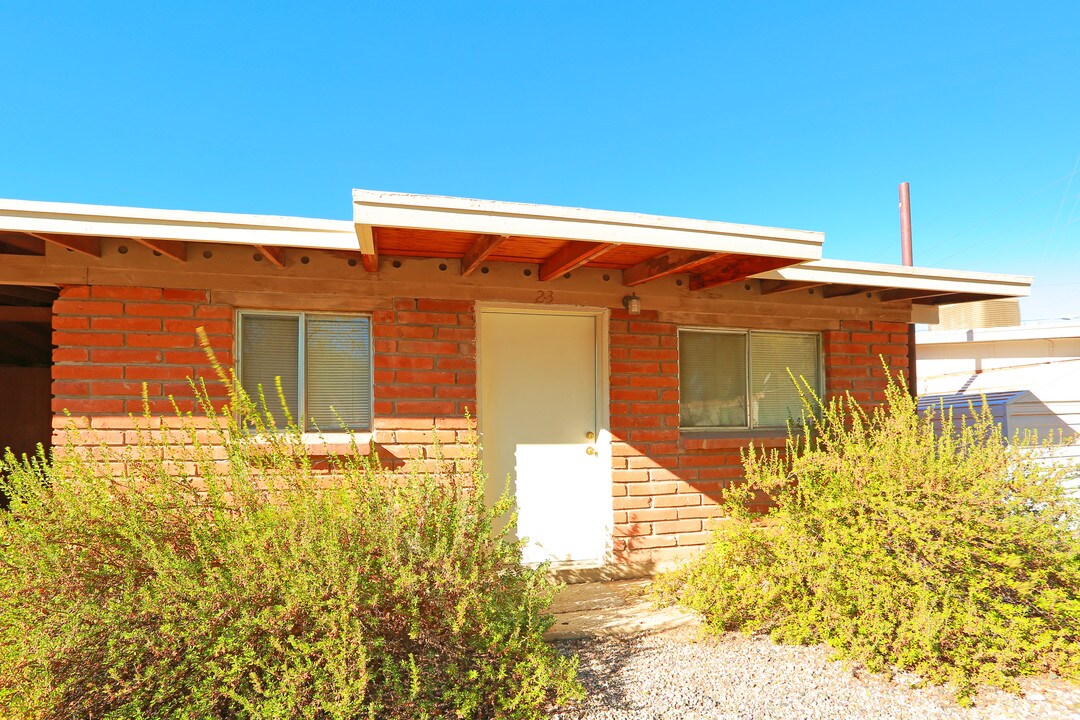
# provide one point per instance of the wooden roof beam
(913, 294)
(276, 255)
(169, 248)
(739, 267)
(86, 245)
(839, 291)
(774, 287)
(664, 264)
(570, 257)
(481, 248)
(21, 241)
(956, 298)
(365, 235)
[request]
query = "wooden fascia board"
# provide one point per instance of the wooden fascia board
(169, 248)
(669, 263)
(775, 287)
(486, 217)
(479, 251)
(25, 314)
(570, 257)
(86, 245)
(738, 269)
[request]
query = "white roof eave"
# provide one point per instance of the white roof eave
(491, 217)
(879, 275)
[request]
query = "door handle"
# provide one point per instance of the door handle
(590, 435)
(590, 450)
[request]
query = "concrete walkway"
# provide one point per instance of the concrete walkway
(617, 607)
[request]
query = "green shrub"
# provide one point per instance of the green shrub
(248, 583)
(951, 554)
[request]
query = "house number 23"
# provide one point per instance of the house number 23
(545, 297)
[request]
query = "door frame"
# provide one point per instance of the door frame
(603, 442)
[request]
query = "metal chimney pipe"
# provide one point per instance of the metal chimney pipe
(907, 260)
(905, 224)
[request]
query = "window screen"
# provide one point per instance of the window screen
(712, 379)
(717, 368)
(323, 361)
(775, 398)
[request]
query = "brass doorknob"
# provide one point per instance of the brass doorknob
(590, 450)
(590, 435)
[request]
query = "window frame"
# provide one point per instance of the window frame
(747, 333)
(301, 365)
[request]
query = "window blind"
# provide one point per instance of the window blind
(712, 379)
(775, 397)
(337, 372)
(269, 349)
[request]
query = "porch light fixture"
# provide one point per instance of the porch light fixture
(632, 303)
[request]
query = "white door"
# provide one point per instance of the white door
(539, 421)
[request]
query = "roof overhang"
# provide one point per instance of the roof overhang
(66, 223)
(896, 283)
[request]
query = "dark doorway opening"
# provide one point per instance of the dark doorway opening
(25, 369)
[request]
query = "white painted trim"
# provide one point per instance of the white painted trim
(1000, 334)
(153, 224)
(492, 217)
(877, 275)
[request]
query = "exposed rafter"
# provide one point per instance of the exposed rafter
(479, 251)
(905, 294)
(571, 256)
(774, 287)
(276, 255)
(26, 243)
(170, 248)
(86, 245)
(669, 263)
(735, 268)
(953, 298)
(839, 291)
(365, 235)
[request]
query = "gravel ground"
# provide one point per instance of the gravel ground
(678, 675)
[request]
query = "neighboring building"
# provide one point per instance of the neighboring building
(1029, 375)
(615, 363)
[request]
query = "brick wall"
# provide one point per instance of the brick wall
(111, 341)
(424, 378)
(667, 484)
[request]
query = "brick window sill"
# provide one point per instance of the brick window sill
(336, 443)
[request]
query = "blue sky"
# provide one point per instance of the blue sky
(797, 114)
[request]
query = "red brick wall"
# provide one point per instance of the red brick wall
(424, 377)
(112, 340)
(667, 484)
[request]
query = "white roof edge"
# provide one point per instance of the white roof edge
(436, 212)
(195, 226)
(999, 334)
(847, 272)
